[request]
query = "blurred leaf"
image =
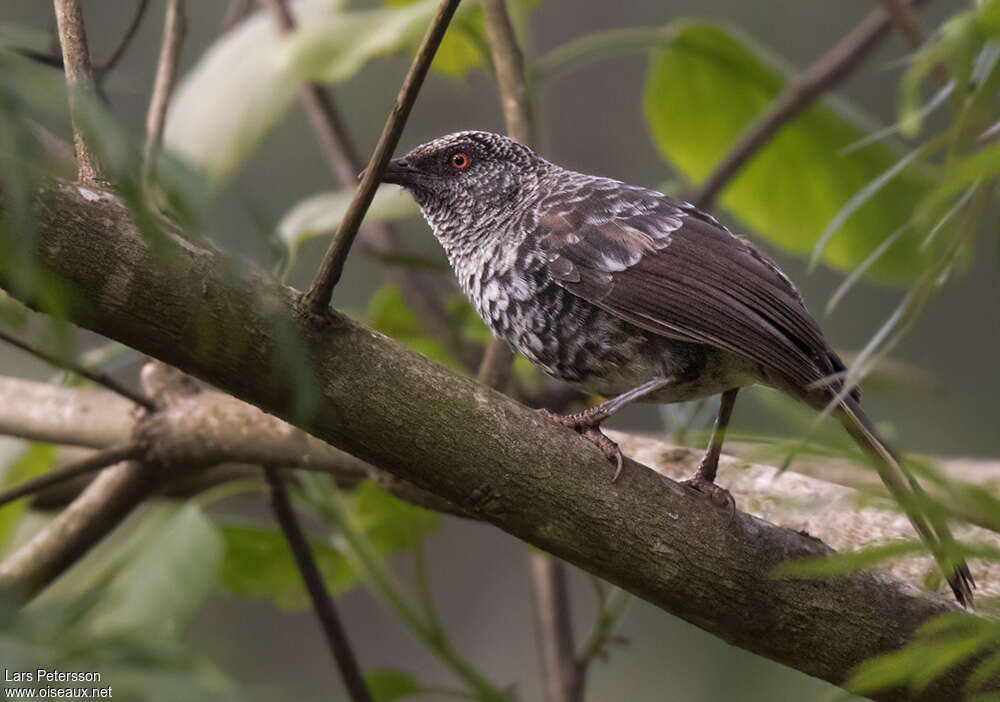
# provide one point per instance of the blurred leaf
(258, 563)
(387, 685)
(15, 36)
(237, 91)
(34, 460)
(843, 563)
(707, 84)
(320, 215)
(390, 524)
(162, 587)
(388, 313)
(938, 646)
(335, 48)
(462, 47)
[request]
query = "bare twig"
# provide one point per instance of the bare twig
(828, 71)
(87, 465)
(126, 41)
(495, 368)
(174, 28)
(905, 20)
(236, 12)
(335, 144)
(326, 610)
(80, 83)
(554, 627)
(92, 375)
(508, 60)
(317, 299)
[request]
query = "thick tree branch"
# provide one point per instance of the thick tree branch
(60, 415)
(317, 298)
(80, 83)
(826, 73)
(474, 447)
(102, 506)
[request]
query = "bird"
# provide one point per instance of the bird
(628, 294)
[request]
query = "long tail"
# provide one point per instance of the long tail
(905, 488)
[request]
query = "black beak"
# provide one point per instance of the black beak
(400, 172)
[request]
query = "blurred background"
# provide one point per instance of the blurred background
(941, 400)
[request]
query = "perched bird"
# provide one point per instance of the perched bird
(626, 293)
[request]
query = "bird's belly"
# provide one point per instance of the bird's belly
(579, 343)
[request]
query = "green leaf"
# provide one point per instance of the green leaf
(161, 588)
(390, 524)
(33, 461)
(387, 685)
(704, 88)
(388, 313)
(335, 48)
(320, 215)
(847, 562)
(258, 563)
(236, 93)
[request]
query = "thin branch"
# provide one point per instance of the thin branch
(508, 60)
(827, 72)
(326, 610)
(554, 627)
(126, 41)
(317, 299)
(174, 28)
(236, 12)
(80, 83)
(381, 239)
(96, 462)
(94, 376)
(906, 21)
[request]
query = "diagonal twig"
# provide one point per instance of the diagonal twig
(90, 464)
(905, 20)
(79, 82)
(828, 71)
(317, 298)
(508, 60)
(174, 28)
(126, 41)
(94, 376)
(326, 610)
(338, 151)
(554, 626)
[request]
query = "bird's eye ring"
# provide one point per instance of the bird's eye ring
(460, 161)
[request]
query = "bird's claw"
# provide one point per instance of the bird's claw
(591, 431)
(719, 496)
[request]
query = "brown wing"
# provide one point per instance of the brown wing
(670, 269)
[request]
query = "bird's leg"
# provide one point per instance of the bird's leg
(704, 478)
(588, 422)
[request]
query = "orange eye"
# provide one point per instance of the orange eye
(460, 161)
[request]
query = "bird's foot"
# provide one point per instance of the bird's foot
(588, 424)
(704, 484)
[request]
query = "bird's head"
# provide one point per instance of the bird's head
(468, 181)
